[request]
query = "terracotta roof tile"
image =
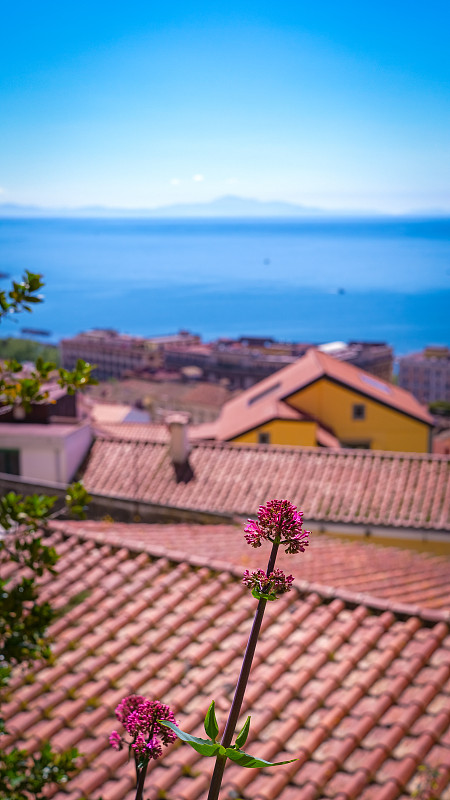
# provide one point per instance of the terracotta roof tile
(384, 571)
(360, 695)
(354, 487)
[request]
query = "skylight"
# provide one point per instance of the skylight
(264, 393)
(382, 387)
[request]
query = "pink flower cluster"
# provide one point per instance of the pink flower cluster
(270, 586)
(139, 717)
(280, 522)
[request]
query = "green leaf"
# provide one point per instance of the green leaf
(211, 726)
(242, 738)
(244, 760)
(263, 596)
(203, 746)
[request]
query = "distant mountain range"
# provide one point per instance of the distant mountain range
(233, 206)
(229, 206)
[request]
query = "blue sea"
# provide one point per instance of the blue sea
(316, 280)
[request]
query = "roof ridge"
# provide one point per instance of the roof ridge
(324, 591)
(316, 354)
(328, 364)
(395, 455)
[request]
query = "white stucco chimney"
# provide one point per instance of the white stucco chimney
(179, 442)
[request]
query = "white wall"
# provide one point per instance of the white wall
(47, 452)
(76, 448)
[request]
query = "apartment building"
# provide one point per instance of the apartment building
(248, 360)
(427, 374)
(116, 354)
(113, 353)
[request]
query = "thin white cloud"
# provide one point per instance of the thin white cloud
(231, 181)
(175, 182)
(198, 178)
(2, 190)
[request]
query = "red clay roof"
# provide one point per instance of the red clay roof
(357, 692)
(398, 575)
(255, 406)
(136, 431)
(363, 487)
(387, 393)
(152, 431)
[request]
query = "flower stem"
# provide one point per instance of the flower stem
(241, 686)
(140, 783)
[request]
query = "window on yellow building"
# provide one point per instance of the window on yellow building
(264, 438)
(359, 411)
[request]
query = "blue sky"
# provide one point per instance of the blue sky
(133, 104)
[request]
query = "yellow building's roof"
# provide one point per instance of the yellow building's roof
(269, 399)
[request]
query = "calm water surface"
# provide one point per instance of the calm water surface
(309, 280)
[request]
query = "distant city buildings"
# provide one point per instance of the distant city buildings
(245, 361)
(116, 354)
(236, 363)
(426, 375)
(374, 357)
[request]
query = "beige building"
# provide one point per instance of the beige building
(113, 353)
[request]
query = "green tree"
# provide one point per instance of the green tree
(24, 390)
(19, 349)
(23, 626)
(24, 521)
(440, 407)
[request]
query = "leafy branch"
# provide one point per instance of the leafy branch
(16, 388)
(22, 775)
(209, 747)
(23, 523)
(24, 623)
(23, 620)
(21, 295)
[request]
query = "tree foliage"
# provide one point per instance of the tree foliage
(22, 775)
(21, 296)
(24, 521)
(23, 620)
(19, 349)
(23, 626)
(440, 407)
(21, 389)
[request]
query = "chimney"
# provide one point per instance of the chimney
(179, 446)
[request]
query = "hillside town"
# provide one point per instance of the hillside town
(177, 445)
(172, 410)
(224, 400)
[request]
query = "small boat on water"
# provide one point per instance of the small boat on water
(35, 331)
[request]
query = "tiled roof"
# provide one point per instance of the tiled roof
(109, 413)
(148, 431)
(391, 573)
(372, 386)
(358, 694)
(269, 409)
(369, 488)
(211, 394)
(255, 406)
(134, 431)
(441, 442)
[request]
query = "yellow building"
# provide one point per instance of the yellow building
(320, 401)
